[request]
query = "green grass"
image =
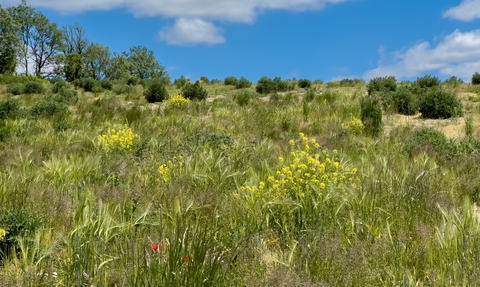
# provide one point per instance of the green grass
(410, 219)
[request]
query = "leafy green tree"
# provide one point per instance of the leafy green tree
(141, 63)
(97, 58)
(23, 15)
(117, 67)
(73, 47)
(45, 45)
(9, 42)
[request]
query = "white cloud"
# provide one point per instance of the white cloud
(468, 10)
(458, 54)
(201, 12)
(192, 31)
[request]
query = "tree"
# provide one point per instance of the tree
(97, 58)
(141, 63)
(9, 42)
(116, 67)
(23, 15)
(45, 44)
(74, 45)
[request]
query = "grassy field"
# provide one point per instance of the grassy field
(236, 190)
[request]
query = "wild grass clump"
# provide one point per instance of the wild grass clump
(371, 115)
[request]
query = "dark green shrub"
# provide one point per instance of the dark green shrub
(33, 87)
(318, 82)
(106, 84)
(48, 107)
(405, 101)
(231, 81)
(194, 91)
(156, 91)
(304, 83)
(8, 108)
(427, 81)
(66, 96)
(10, 79)
(97, 89)
(243, 83)
(180, 82)
(243, 97)
(438, 104)
(430, 140)
(123, 89)
(15, 89)
(476, 79)
(216, 81)
(78, 83)
(89, 85)
(204, 80)
(350, 82)
(453, 80)
(266, 85)
(17, 223)
(132, 81)
(382, 85)
(371, 115)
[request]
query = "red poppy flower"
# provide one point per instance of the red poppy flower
(186, 259)
(156, 247)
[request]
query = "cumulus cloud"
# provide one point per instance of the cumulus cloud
(192, 31)
(457, 54)
(468, 10)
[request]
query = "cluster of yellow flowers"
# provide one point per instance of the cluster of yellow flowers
(355, 126)
(177, 101)
(121, 140)
(307, 171)
(171, 168)
(3, 233)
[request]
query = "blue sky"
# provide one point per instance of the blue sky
(314, 39)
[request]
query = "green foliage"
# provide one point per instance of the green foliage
(17, 222)
(405, 101)
(156, 91)
(15, 89)
(304, 83)
(454, 81)
(382, 85)
(106, 84)
(194, 91)
(243, 83)
(181, 81)
(310, 95)
(66, 96)
(204, 80)
(48, 107)
(230, 81)
(33, 88)
(371, 115)
(351, 82)
(9, 42)
(9, 79)
(427, 81)
(243, 97)
(8, 108)
(141, 63)
(58, 85)
(476, 79)
(439, 104)
(430, 140)
(266, 85)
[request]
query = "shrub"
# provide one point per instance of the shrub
(33, 87)
(15, 89)
(177, 101)
(230, 81)
(58, 85)
(194, 91)
(66, 96)
(350, 82)
(476, 79)
(17, 223)
(204, 80)
(243, 83)
(8, 108)
(132, 81)
(427, 81)
(121, 140)
(405, 101)
(106, 84)
(438, 104)
(124, 89)
(156, 91)
(266, 85)
(371, 115)
(180, 82)
(216, 81)
(10, 79)
(453, 80)
(354, 126)
(304, 83)
(243, 98)
(382, 85)
(48, 107)
(428, 139)
(89, 85)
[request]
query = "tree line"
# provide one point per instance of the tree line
(31, 44)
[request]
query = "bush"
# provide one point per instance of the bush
(476, 79)
(10, 79)
(382, 85)
(204, 80)
(216, 81)
(89, 85)
(58, 85)
(132, 81)
(371, 115)
(304, 83)
(430, 140)
(231, 81)
(405, 102)
(194, 91)
(350, 82)
(266, 85)
(453, 80)
(15, 89)
(48, 107)
(438, 104)
(106, 84)
(427, 81)
(243, 83)
(66, 96)
(243, 97)
(177, 101)
(8, 108)
(180, 82)
(33, 87)
(156, 91)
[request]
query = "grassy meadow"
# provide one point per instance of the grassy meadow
(103, 188)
